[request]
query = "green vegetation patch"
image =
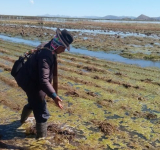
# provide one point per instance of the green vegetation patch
(108, 105)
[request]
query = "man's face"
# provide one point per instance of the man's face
(60, 49)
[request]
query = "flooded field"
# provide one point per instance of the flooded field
(108, 105)
(140, 41)
(112, 56)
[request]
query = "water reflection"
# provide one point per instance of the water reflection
(117, 58)
(20, 40)
(101, 55)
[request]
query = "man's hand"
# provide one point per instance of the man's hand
(58, 102)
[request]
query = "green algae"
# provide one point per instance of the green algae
(118, 107)
(141, 56)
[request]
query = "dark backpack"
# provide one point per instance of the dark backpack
(18, 64)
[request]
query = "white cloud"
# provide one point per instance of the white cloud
(32, 1)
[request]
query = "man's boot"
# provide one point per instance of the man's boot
(41, 130)
(25, 114)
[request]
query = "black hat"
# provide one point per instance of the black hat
(65, 37)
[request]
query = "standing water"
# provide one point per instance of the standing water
(100, 55)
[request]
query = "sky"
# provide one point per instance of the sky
(81, 8)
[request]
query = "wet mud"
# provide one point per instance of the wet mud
(54, 129)
(106, 127)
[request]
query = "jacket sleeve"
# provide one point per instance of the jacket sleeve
(44, 65)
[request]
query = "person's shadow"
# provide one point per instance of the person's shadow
(9, 132)
(8, 146)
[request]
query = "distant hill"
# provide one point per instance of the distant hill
(142, 17)
(157, 18)
(111, 17)
(91, 17)
(117, 17)
(48, 15)
(63, 16)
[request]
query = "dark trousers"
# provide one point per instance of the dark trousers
(37, 103)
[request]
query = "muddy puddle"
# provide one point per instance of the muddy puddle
(101, 55)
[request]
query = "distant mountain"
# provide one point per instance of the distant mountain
(117, 17)
(157, 18)
(109, 17)
(92, 17)
(48, 15)
(63, 16)
(143, 17)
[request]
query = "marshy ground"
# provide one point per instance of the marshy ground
(127, 39)
(107, 105)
